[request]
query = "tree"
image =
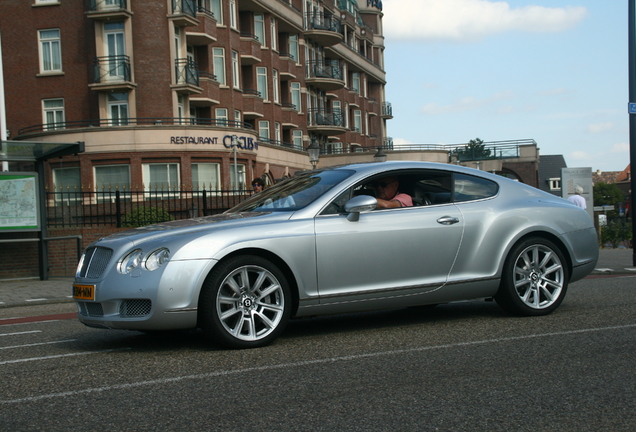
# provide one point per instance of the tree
(608, 194)
(474, 150)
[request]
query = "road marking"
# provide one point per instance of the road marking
(60, 356)
(20, 333)
(303, 363)
(42, 318)
(36, 344)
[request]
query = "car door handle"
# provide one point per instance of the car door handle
(447, 220)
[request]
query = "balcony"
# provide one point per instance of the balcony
(323, 28)
(253, 106)
(184, 13)
(326, 122)
(326, 75)
(250, 49)
(108, 9)
(205, 31)
(187, 77)
(387, 110)
(210, 94)
(112, 73)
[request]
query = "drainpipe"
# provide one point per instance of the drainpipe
(3, 114)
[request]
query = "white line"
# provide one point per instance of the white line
(59, 356)
(19, 333)
(37, 344)
(34, 300)
(304, 363)
(30, 322)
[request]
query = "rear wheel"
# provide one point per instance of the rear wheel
(245, 303)
(534, 280)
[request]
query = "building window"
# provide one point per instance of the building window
(118, 108)
(274, 33)
(162, 177)
(555, 184)
(261, 82)
(235, 70)
(53, 113)
(50, 51)
(220, 114)
(277, 132)
(217, 11)
(237, 177)
(355, 82)
(298, 139)
(263, 130)
(66, 184)
(259, 28)
(233, 23)
(275, 86)
(181, 113)
(238, 118)
(115, 49)
(357, 120)
(218, 55)
(294, 53)
(295, 96)
(205, 176)
(366, 123)
(112, 177)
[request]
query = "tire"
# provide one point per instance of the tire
(534, 280)
(245, 303)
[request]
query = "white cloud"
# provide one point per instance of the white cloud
(465, 104)
(600, 127)
(471, 20)
(620, 148)
(581, 156)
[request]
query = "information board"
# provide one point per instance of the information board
(19, 205)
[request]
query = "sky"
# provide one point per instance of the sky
(555, 71)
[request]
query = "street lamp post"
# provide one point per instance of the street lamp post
(631, 47)
(314, 153)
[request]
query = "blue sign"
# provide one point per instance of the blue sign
(632, 108)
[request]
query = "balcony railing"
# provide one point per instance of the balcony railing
(185, 7)
(322, 21)
(132, 122)
(326, 117)
(111, 69)
(330, 69)
(387, 110)
(187, 72)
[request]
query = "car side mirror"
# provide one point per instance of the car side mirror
(359, 204)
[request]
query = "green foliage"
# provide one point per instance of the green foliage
(617, 233)
(143, 216)
(608, 194)
(475, 150)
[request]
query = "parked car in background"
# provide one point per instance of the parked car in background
(316, 244)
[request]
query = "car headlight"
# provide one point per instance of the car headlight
(156, 259)
(130, 261)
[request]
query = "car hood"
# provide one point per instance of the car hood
(184, 227)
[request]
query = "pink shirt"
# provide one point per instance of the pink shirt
(404, 200)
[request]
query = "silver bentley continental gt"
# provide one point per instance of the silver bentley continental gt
(343, 239)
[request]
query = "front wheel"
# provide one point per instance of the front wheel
(534, 280)
(245, 303)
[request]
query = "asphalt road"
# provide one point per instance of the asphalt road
(459, 367)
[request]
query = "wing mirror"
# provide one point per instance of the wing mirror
(359, 204)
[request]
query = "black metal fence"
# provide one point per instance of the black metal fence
(119, 208)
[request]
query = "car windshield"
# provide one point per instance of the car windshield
(293, 193)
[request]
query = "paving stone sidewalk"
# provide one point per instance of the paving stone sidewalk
(24, 292)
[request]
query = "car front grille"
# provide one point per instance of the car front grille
(94, 262)
(90, 309)
(135, 307)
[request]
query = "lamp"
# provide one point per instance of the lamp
(314, 153)
(380, 156)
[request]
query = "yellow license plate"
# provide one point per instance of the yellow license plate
(84, 292)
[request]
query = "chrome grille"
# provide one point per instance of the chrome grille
(135, 307)
(94, 262)
(90, 309)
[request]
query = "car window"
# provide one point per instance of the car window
(293, 193)
(470, 188)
